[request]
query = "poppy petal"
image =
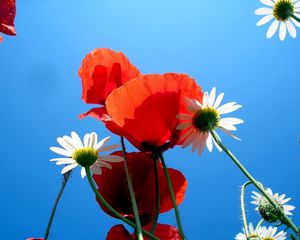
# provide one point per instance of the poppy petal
(112, 185)
(103, 70)
(150, 104)
(118, 232)
(7, 16)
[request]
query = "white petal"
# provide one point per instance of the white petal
(263, 11)
(94, 139)
(96, 170)
(86, 139)
(76, 139)
(83, 172)
(231, 120)
(209, 143)
(100, 163)
(101, 143)
(61, 151)
(68, 168)
(67, 161)
(297, 4)
(228, 127)
(285, 200)
(185, 125)
(109, 148)
(70, 142)
(186, 134)
(291, 29)
(66, 146)
(230, 133)
(192, 105)
(196, 141)
(282, 31)
(212, 97)
(58, 159)
(201, 144)
(205, 99)
(264, 20)
(111, 158)
(272, 29)
(224, 110)
(218, 100)
(189, 139)
(183, 116)
(267, 2)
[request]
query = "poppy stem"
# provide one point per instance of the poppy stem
(157, 192)
(172, 195)
(109, 207)
(243, 209)
(285, 219)
(132, 194)
(65, 179)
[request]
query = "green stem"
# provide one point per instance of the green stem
(63, 185)
(177, 215)
(295, 17)
(109, 207)
(259, 224)
(157, 192)
(132, 194)
(243, 209)
(285, 219)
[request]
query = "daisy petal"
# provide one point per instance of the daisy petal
(61, 151)
(185, 125)
(282, 31)
(291, 29)
(272, 29)
(83, 172)
(76, 139)
(231, 120)
(267, 2)
(111, 158)
(264, 20)
(101, 143)
(184, 116)
(229, 109)
(295, 22)
(209, 143)
(67, 161)
(68, 168)
(263, 11)
(109, 148)
(212, 97)
(58, 159)
(218, 100)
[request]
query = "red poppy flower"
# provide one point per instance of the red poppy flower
(162, 231)
(102, 71)
(7, 16)
(113, 186)
(144, 109)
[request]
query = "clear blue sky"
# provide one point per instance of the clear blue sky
(215, 42)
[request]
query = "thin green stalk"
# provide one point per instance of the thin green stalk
(259, 224)
(295, 17)
(157, 192)
(243, 209)
(109, 207)
(286, 219)
(65, 179)
(132, 194)
(172, 195)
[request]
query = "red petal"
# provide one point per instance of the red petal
(118, 232)
(102, 71)
(165, 232)
(7, 16)
(114, 188)
(146, 107)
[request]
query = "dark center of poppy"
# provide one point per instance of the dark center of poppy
(283, 9)
(268, 211)
(85, 156)
(206, 119)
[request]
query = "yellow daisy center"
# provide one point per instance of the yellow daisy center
(85, 156)
(206, 119)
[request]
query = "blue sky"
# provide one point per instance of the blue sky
(215, 42)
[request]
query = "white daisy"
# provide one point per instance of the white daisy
(284, 13)
(270, 234)
(84, 153)
(205, 116)
(266, 209)
(254, 234)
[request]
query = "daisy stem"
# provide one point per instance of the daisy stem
(285, 219)
(157, 192)
(296, 18)
(65, 179)
(172, 195)
(243, 208)
(132, 194)
(109, 207)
